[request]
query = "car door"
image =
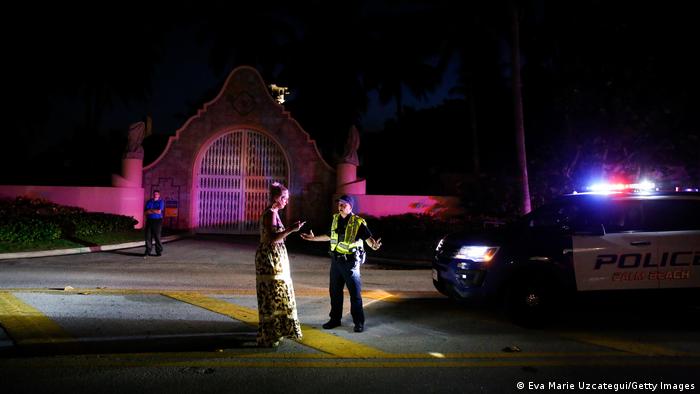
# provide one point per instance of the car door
(676, 222)
(611, 248)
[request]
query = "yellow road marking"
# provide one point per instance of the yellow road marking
(313, 338)
(26, 325)
(379, 295)
(623, 345)
(336, 345)
(246, 315)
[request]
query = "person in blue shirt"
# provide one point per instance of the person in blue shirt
(155, 207)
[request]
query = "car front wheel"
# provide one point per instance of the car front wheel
(530, 302)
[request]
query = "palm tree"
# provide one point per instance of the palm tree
(333, 63)
(412, 60)
(518, 108)
(83, 62)
(258, 34)
(475, 44)
(121, 67)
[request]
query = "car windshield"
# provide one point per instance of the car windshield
(596, 214)
(588, 213)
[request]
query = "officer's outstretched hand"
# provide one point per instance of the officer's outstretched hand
(375, 244)
(308, 236)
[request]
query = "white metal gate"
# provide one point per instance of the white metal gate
(233, 182)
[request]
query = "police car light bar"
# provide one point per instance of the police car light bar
(644, 186)
(687, 189)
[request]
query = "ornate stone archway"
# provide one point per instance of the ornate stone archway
(216, 169)
(232, 181)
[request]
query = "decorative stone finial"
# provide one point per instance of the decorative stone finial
(351, 146)
(137, 132)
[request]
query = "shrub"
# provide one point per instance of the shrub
(26, 220)
(86, 224)
(91, 223)
(22, 229)
(25, 206)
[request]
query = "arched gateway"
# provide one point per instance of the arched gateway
(233, 180)
(215, 172)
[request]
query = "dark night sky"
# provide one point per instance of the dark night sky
(604, 79)
(184, 76)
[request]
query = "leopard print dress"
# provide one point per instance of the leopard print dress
(277, 309)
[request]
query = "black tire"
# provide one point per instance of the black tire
(530, 302)
(439, 286)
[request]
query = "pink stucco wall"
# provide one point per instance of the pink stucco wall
(116, 200)
(383, 205)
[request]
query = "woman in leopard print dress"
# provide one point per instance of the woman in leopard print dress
(277, 308)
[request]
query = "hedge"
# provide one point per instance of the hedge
(22, 229)
(27, 220)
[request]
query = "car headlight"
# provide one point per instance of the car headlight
(476, 253)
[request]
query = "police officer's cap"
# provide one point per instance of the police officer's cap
(347, 199)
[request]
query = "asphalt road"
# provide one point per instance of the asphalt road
(185, 322)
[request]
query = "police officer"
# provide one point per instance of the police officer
(347, 254)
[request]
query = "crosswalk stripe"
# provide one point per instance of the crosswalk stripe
(313, 337)
(336, 345)
(26, 325)
(241, 313)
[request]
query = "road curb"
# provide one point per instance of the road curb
(81, 250)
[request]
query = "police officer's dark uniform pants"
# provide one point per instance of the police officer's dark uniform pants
(345, 270)
(153, 229)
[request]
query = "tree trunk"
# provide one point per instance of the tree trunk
(399, 102)
(94, 104)
(519, 123)
(471, 102)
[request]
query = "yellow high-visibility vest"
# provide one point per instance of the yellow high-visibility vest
(348, 245)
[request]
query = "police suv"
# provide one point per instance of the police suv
(585, 242)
